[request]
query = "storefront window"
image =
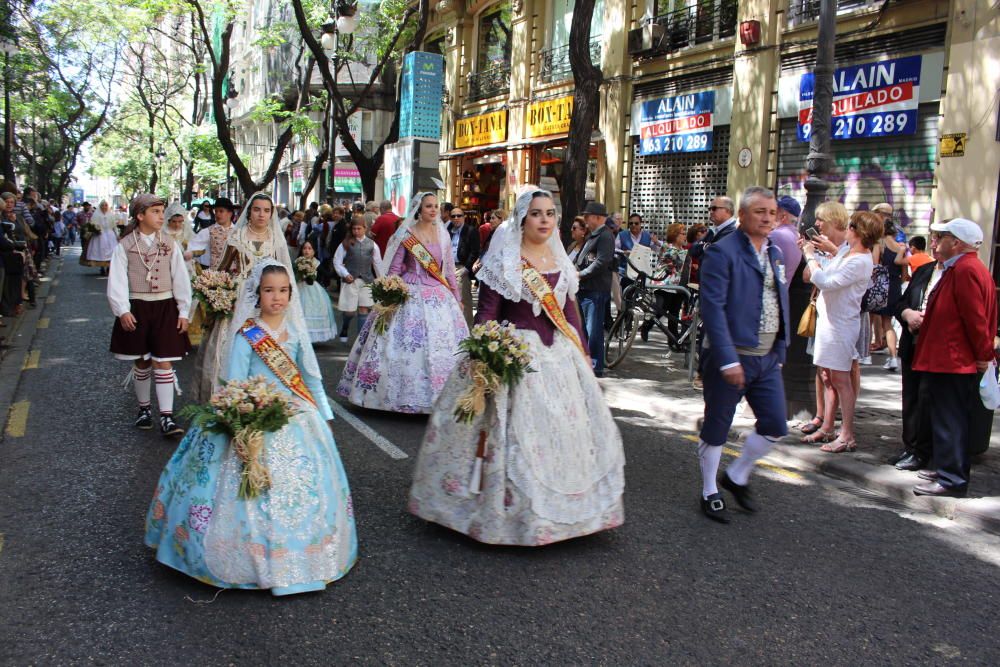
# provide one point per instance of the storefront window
(494, 37)
(551, 161)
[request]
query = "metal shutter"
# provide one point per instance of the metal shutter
(898, 170)
(678, 187)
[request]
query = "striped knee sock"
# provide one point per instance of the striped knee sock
(141, 383)
(165, 390)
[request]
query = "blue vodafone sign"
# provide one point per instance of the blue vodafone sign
(681, 124)
(872, 100)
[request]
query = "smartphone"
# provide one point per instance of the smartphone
(811, 233)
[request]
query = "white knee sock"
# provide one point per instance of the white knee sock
(141, 381)
(165, 390)
(708, 458)
(755, 448)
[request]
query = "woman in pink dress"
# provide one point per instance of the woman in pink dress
(404, 369)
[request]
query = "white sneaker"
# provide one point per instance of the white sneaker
(865, 361)
(891, 364)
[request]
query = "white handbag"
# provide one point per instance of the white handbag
(989, 389)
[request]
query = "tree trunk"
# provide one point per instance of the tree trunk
(588, 80)
(186, 196)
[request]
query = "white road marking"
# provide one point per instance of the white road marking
(364, 429)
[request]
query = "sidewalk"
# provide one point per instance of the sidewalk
(654, 381)
(15, 355)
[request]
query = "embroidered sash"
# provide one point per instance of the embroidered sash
(276, 359)
(541, 290)
(425, 258)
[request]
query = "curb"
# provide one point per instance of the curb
(21, 339)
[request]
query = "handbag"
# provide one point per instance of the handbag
(877, 295)
(989, 389)
(807, 323)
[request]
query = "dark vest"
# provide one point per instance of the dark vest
(358, 259)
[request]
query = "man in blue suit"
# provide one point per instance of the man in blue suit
(744, 305)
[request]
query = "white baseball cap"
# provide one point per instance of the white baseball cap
(962, 229)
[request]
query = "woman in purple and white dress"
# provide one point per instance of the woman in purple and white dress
(554, 463)
(404, 369)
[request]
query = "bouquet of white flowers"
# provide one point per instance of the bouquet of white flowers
(388, 293)
(306, 268)
(216, 290)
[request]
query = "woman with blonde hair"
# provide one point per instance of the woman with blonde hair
(842, 284)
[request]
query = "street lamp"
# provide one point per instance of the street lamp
(231, 95)
(345, 20)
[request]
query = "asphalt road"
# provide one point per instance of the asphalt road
(821, 575)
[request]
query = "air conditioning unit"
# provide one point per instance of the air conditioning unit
(645, 39)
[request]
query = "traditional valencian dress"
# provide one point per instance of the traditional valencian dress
(554, 461)
(317, 308)
(101, 246)
(406, 368)
(297, 536)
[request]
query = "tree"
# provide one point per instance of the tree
(587, 79)
(390, 30)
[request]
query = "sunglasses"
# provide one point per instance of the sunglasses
(714, 208)
(457, 215)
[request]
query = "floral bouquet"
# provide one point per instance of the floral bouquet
(388, 293)
(216, 290)
(245, 410)
(89, 230)
(498, 357)
(306, 269)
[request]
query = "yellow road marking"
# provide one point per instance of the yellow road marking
(31, 361)
(763, 464)
(50, 299)
(43, 323)
(17, 423)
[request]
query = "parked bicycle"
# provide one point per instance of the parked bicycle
(678, 321)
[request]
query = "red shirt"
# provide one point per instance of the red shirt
(383, 228)
(960, 321)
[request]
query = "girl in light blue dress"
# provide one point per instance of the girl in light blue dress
(316, 305)
(299, 534)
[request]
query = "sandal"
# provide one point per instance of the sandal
(819, 436)
(844, 446)
(811, 426)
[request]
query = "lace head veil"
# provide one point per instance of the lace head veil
(412, 215)
(186, 232)
(247, 300)
(501, 267)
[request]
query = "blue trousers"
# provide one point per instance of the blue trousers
(592, 304)
(763, 387)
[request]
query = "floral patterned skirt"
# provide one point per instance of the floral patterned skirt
(298, 536)
(554, 464)
(404, 369)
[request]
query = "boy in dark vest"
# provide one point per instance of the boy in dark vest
(149, 290)
(358, 262)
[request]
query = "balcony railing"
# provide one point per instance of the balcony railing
(806, 11)
(555, 62)
(705, 22)
(489, 82)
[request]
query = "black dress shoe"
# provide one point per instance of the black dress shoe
(939, 490)
(929, 475)
(893, 460)
(911, 462)
(714, 507)
(740, 491)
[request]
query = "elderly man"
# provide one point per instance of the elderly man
(721, 215)
(595, 262)
(786, 233)
(745, 309)
(954, 347)
(465, 252)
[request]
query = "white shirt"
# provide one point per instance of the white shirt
(338, 261)
(118, 292)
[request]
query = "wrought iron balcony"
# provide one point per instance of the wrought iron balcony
(703, 23)
(555, 61)
(807, 11)
(489, 82)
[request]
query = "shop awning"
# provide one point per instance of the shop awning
(474, 150)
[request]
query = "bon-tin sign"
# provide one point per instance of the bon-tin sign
(681, 124)
(871, 100)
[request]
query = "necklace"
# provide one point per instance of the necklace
(148, 265)
(276, 334)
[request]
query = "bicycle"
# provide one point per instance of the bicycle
(639, 306)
